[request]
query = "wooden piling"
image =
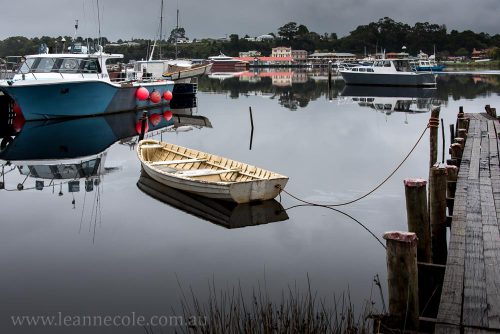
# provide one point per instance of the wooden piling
(144, 121)
(462, 133)
(434, 133)
(452, 133)
(451, 187)
(437, 212)
(456, 151)
(402, 277)
(418, 216)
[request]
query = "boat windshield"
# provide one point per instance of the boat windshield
(60, 65)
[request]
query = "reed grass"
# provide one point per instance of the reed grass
(228, 311)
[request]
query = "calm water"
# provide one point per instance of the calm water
(112, 249)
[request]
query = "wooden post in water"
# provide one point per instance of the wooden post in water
(329, 75)
(452, 133)
(418, 216)
(462, 133)
(251, 123)
(434, 127)
(144, 120)
(402, 278)
(451, 187)
(437, 212)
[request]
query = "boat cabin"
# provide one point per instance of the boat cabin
(55, 66)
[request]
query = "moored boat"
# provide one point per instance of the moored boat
(220, 212)
(223, 63)
(207, 174)
(74, 85)
(387, 72)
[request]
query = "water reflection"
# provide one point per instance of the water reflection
(223, 213)
(392, 99)
(75, 149)
(295, 88)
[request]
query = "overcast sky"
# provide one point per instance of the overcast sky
(126, 19)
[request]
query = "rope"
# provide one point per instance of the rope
(431, 123)
(345, 214)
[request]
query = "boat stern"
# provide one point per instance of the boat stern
(257, 190)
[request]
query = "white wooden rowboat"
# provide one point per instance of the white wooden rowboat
(207, 174)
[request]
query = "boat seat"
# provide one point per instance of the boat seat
(204, 172)
(152, 146)
(173, 162)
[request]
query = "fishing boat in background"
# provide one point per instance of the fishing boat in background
(425, 62)
(207, 174)
(223, 213)
(223, 63)
(387, 72)
(76, 84)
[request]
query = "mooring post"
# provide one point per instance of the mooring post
(402, 278)
(434, 131)
(487, 108)
(329, 74)
(437, 212)
(456, 151)
(418, 216)
(452, 133)
(462, 133)
(493, 112)
(144, 120)
(451, 187)
(251, 123)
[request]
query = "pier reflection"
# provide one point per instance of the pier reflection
(224, 213)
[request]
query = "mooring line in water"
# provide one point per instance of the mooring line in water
(345, 214)
(432, 123)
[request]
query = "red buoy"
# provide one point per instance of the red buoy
(155, 97)
(16, 109)
(167, 95)
(18, 123)
(167, 115)
(138, 127)
(155, 119)
(142, 94)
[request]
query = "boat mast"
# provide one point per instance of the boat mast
(176, 30)
(161, 28)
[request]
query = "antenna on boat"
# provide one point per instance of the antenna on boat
(177, 30)
(99, 21)
(161, 28)
(76, 30)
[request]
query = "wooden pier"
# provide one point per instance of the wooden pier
(470, 298)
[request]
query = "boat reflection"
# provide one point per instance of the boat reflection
(223, 213)
(392, 99)
(75, 149)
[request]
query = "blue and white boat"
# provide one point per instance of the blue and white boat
(429, 65)
(65, 85)
(387, 72)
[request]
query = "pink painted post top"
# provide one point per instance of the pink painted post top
(415, 182)
(408, 237)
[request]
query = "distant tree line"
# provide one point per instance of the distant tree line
(383, 35)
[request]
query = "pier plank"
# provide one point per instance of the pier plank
(450, 308)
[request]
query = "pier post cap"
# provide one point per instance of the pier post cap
(439, 168)
(451, 168)
(415, 182)
(408, 237)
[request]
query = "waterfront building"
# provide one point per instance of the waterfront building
(322, 58)
(251, 53)
(299, 56)
(281, 52)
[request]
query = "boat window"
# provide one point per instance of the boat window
(43, 65)
(91, 66)
(369, 70)
(26, 66)
(355, 69)
(361, 69)
(387, 63)
(70, 65)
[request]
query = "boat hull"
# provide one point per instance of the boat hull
(437, 68)
(389, 79)
(251, 191)
(79, 98)
(255, 184)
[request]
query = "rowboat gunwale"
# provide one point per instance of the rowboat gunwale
(261, 185)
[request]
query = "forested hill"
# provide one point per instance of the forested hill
(385, 34)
